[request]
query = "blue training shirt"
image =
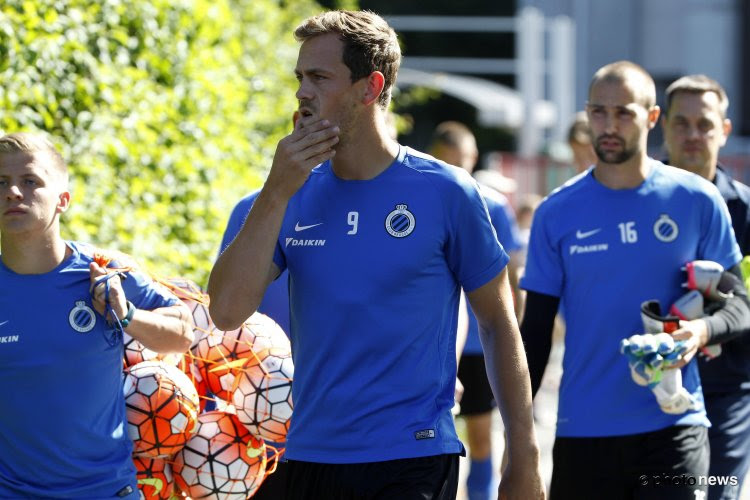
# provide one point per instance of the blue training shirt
(604, 252)
(62, 424)
(275, 303)
(504, 221)
(375, 271)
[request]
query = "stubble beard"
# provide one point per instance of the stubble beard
(615, 157)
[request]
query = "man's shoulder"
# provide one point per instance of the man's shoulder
(740, 189)
(247, 201)
(443, 176)
(105, 257)
(570, 190)
(678, 180)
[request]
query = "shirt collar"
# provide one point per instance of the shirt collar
(723, 181)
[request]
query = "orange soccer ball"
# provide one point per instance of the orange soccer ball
(197, 301)
(263, 396)
(161, 406)
(155, 480)
(222, 460)
(221, 356)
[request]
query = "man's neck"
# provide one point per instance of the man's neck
(706, 171)
(33, 255)
(368, 152)
(626, 175)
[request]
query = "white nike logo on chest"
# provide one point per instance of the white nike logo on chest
(581, 235)
(299, 228)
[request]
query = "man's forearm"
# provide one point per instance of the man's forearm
(508, 375)
(243, 271)
(164, 330)
(507, 370)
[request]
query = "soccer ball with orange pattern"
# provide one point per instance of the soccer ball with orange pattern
(161, 407)
(197, 301)
(190, 368)
(222, 460)
(155, 480)
(217, 355)
(263, 396)
(136, 352)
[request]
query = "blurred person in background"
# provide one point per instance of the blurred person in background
(696, 127)
(579, 140)
(455, 144)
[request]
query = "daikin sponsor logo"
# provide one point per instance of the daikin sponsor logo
(578, 249)
(7, 339)
(294, 242)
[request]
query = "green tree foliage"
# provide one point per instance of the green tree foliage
(167, 111)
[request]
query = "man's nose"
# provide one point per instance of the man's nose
(14, 192)
(303, 92)
(610, 123)
(693, 132)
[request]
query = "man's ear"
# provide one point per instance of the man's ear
(374, 87)
(653, 116)
(726, 127)
(63, 202)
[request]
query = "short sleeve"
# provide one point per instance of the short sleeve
(237, 219)
(544, 268)
(474, 254)
(145, 293)
(504, 220)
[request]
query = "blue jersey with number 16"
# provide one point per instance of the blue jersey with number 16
(604, 252)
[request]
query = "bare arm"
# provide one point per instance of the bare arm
(243, 271)
(164, 330)
(462, 331)
(509, 377)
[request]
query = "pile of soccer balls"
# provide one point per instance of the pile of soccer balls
(181, 449)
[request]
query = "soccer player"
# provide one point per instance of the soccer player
(579, 140)
(378, 240)
(602, 244)
(695, 127)
(62, 425)
(454, 143)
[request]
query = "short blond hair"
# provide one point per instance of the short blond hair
(370, 44)
(25, 142)
(631, 73)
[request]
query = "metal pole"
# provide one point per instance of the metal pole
(562, 73)
(530, 77)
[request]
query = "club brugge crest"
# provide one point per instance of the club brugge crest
(82, 318)
(400, 223)
(665, 229)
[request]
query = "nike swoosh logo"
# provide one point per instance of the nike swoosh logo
(299, 228)
(1, 324)
(581, 235)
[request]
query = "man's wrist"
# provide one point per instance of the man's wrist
(125, 321)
